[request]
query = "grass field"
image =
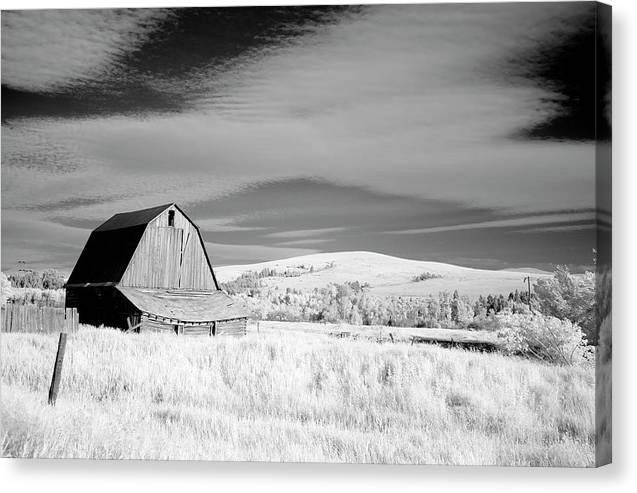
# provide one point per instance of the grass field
(290, 397)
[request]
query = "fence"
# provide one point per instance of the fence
(43, 319)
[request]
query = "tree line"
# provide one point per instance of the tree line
(47, 279)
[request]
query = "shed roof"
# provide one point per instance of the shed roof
(185, 305)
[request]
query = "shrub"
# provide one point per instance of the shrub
(543, 337)
(425, 276)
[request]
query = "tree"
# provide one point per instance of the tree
(569, 298)
(52, 279)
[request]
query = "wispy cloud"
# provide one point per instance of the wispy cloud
(307, 242)
(504, 223)
(304, 233)
(562, 228)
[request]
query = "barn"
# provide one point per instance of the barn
(148, 270)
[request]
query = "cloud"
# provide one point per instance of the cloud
(39, 243)
(49, 50)
(284, 208)
(224, 225)
(326, 124)
(564, 61)
(560, 228)
(309, 242)
(83, 63)
(223, 254)
(505, 223)
(304, 233)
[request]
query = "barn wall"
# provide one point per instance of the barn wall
(150, 325)
(198, 330)
(170, 257)
(236, 327)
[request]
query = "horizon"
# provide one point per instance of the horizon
(446, 133)
(575, 269)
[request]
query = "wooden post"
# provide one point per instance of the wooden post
(57, 369)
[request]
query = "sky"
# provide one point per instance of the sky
(455, 133)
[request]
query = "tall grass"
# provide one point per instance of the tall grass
(289, 397)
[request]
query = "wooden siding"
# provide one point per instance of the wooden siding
(155, 263)
(198, 330)
(236, 327)
(170, 257)
(194, 272)
(151, 325)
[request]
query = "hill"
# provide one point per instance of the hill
(386, 275)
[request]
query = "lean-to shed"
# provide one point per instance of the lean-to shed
(148, 270)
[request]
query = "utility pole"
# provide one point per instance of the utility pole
(528, 281)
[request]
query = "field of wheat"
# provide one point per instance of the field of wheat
(290, 397)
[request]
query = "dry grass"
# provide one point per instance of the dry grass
(290, 397)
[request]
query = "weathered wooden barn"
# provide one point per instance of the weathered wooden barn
(148, 270)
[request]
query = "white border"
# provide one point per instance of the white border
(50, 476)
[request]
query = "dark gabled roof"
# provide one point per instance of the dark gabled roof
(185, 305)
(106, 255)
(133, 218)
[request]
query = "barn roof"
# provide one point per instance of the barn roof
(185, 306)
(133, 218)
(106, 255)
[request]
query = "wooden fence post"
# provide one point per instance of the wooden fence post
(57, 369)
